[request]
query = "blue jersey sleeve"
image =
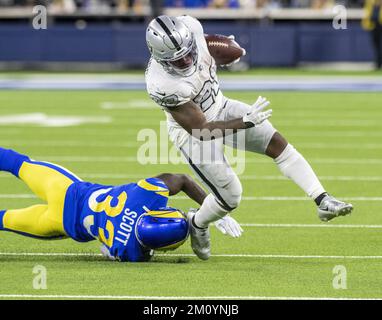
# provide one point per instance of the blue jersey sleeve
(158, 191)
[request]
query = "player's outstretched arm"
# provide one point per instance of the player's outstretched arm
(183, 182)
(193, 120)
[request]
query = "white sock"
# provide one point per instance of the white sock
(294, 166)
(210, 211)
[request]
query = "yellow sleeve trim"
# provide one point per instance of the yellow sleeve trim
(151, 187)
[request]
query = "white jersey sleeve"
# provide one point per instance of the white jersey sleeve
(164, 90)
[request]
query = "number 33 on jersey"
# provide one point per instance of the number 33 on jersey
(110, 214)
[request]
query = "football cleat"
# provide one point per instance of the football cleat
(330, 208)
(200, 238)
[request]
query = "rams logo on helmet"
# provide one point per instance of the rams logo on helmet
(164, 229)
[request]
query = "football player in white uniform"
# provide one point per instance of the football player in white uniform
(181, 78)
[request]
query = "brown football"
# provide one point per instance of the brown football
(223, 49)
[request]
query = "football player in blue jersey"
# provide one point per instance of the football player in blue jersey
(131, 220)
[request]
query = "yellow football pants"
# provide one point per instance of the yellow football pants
(50, 183)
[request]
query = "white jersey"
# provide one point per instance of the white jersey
(172, 90)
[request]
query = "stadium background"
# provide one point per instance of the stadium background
(74, 94)
(281, 33)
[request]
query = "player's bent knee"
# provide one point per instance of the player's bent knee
(276, 146)
(233, 193)
(288, 155)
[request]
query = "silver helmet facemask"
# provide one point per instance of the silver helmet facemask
(173, 45)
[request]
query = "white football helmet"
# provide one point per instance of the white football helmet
(172, 44)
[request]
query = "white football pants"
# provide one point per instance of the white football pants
(207, 159)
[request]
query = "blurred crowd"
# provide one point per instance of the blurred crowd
(70, 5)
(316, 4)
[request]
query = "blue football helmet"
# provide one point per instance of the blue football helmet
(164, 229)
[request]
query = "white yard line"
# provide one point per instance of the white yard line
(302, 133)
(259, 256)
(88, 158)
(17, 196)
(296, 133)
(302, 225)
(70, 143)
(352, 146)
(331, 123)
(132, 104)
(298, 225)
(113, 159)
(308, 199)
(142, 297)
(242, 177)
(277, 256)
(334, 134)
(44, 120)
(50, 254)
(323, 178)
(307, 123)
(248, 198)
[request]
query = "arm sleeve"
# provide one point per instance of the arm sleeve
(170, 98)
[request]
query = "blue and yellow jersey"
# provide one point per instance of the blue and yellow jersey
(110, 213)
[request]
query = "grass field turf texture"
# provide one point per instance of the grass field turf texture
(280, 256)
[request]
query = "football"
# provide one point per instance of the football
(223, 49)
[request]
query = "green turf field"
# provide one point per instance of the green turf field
(285, 250)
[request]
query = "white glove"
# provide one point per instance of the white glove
(106, 253)
(228, 225)
(232, 37)
(255, 116)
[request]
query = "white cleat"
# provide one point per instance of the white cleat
(200, 238)
(330, 208)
